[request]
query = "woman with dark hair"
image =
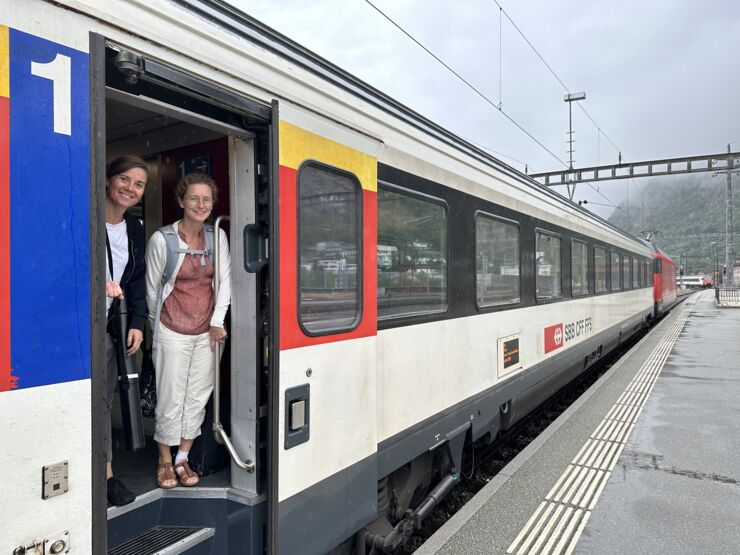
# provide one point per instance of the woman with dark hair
(187, 321)
(126, 179)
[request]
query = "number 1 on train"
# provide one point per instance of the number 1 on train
(58, 71)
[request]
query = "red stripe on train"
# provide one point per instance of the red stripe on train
(291, 334)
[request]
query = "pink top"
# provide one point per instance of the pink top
(189, 307)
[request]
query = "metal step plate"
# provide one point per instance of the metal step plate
(163, 540)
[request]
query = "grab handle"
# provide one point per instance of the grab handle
(218, 430)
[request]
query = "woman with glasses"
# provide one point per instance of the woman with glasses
(187, 322)
(126, 179)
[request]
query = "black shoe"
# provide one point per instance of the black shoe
(118, 494)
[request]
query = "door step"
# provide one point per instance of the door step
(164, 540)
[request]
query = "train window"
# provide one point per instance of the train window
(329, 250)
(578, 267)
(644, 274)
(649, 267)
(547, 280)
(635, 273)
(412, 254)
(599, 270)
(497, 261)
(626, 274)
(616, 286)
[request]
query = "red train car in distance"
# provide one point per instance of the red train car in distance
(664, 281)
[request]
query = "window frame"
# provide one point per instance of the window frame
(636, 275)
(572, 294)
(490, 216)
(626, 280)
(425, 316)
(559, 236)
(606, 270)
(360, 249)
(611, 271)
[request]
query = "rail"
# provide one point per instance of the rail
(729, 296)
(218, 429)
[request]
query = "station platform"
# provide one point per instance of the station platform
(646, 461)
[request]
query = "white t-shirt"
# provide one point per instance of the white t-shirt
(118, 239)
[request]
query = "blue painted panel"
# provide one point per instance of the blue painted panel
(49, 213)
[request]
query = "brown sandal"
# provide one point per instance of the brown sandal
(166, 476)
(187, 477)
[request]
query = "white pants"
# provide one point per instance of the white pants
(184, 369)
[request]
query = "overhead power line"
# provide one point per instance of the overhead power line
(554, 73)
(465, 81)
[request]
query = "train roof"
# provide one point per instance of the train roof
(236, 21)
(655, 248)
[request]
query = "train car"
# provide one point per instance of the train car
(664, 281)
(695, 281)
(397, 293)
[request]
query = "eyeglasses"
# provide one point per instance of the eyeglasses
(195, 201)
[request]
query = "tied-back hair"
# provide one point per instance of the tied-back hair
(122, 164)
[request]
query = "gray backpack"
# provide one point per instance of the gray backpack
(174, 251)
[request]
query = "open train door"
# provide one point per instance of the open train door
(323, 414)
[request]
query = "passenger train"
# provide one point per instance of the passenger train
(397, 293)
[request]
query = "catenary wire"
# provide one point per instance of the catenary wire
(554, 73)
(466, 82)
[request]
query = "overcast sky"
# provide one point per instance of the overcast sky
(661, 77)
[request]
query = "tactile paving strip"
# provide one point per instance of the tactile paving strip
(557, 524)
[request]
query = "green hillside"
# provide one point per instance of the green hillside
(681, 206)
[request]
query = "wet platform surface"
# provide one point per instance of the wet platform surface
(647, 461)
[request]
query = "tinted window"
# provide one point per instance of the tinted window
(329, 249)
(616, 285)
(497, 261)
(635, 273)
(579, 267)
(412, 255)
(599, 270)
(626, 277)
(547, 256)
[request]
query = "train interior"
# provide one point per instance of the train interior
(175, 141)
(171, 148)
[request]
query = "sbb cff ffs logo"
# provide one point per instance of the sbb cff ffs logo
(559, 334)
(553, 337)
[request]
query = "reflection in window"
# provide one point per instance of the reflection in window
(616, 286)
(547, 281)
(329, 249)
(635, 273)
(412, 255)
(496, 262)
(579, 268)
(599, 270)
(626, 276)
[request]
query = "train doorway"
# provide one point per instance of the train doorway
(178, 124)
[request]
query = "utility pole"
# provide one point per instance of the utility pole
(570, 98)
(729, 258)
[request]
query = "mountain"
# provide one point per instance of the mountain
(676, 208)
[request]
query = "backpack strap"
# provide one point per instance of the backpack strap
(174, 250)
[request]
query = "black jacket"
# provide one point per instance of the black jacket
(133, 279)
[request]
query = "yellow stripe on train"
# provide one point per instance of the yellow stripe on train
(4, 62)
(298, 145)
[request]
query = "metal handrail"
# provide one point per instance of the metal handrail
(218, 429)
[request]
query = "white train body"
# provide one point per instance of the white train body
(377, 393)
